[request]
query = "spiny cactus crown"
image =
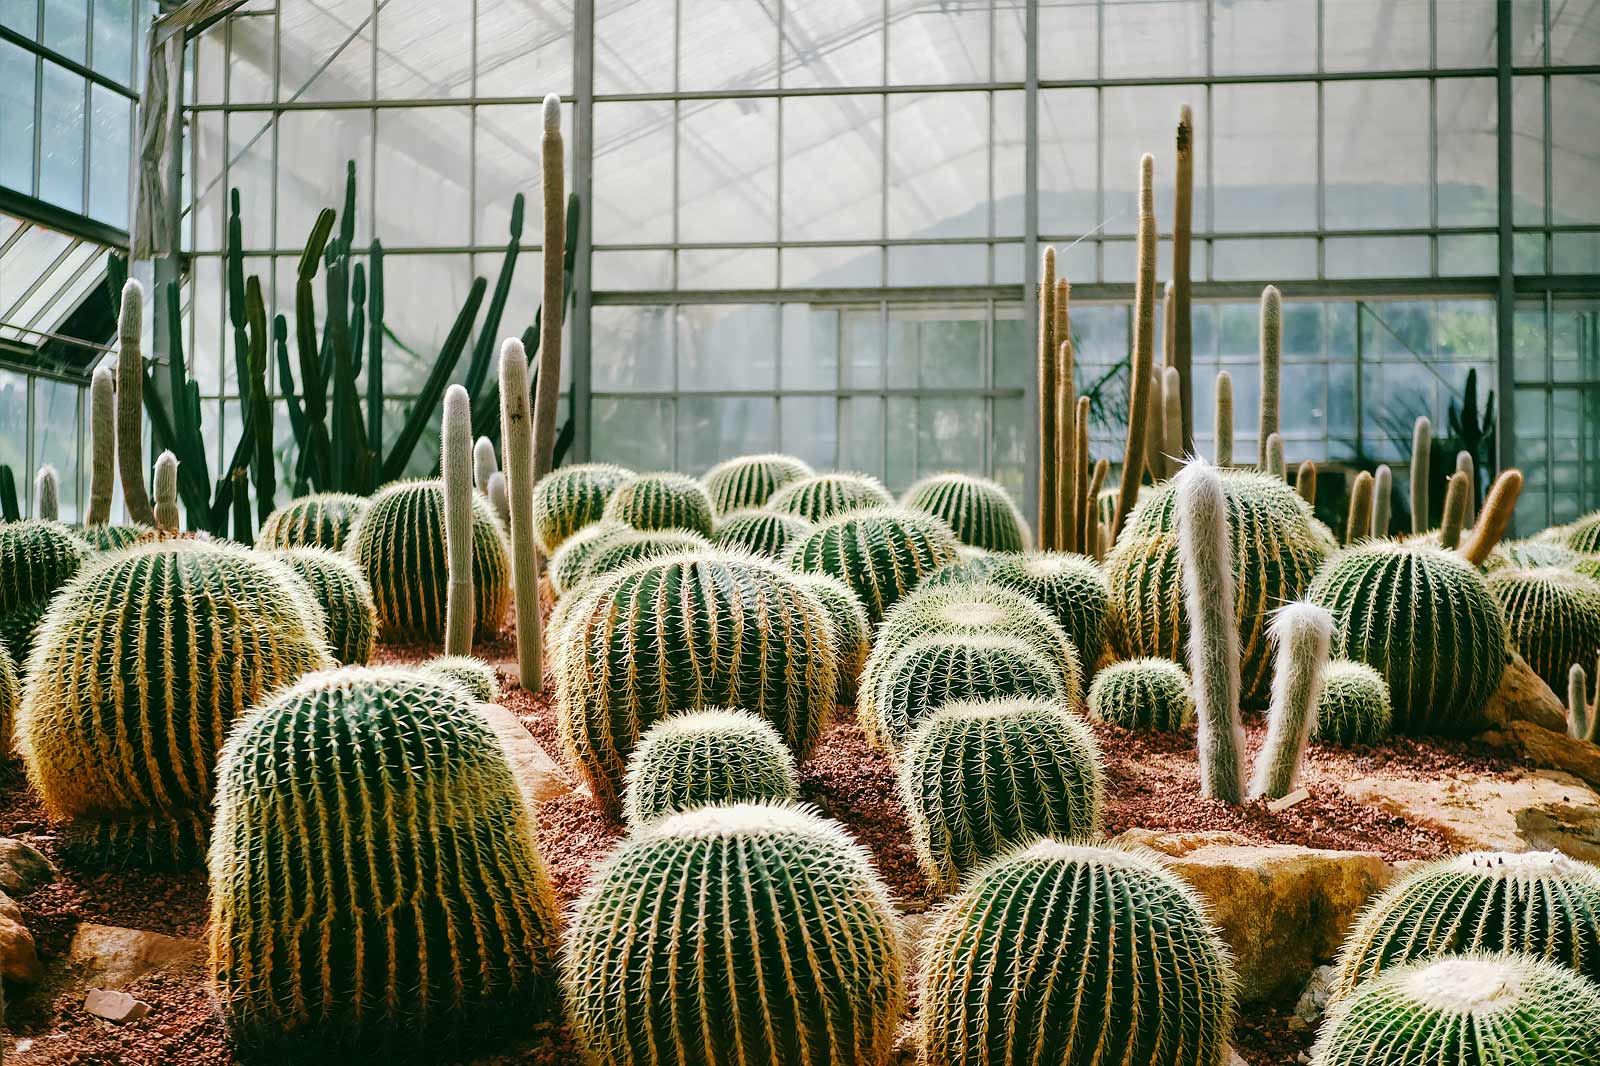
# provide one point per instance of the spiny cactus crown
(852, 632)
(825, 496)
(699, 758)
(1072, 587)
(344, 597)
(625, 549)
(568, 499)
(322, 520)
(108, 538)
(568, 562)
(470, 672)
(1354, 707)
(768, 533)
(881, 554)
(662, 501)
(750, 480)
(1142, 694)
(36, 559)
(1552, 617)
(1584, 535)
(1531, 553)
(980, 511)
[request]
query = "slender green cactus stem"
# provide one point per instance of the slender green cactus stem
(1303, 633)
(1578, 710)
(130, 406)
(1205, 548)
(1464, 465)
(1358, 521)
(166, 505)
(1092, 540)
(516, 439)
(455, 461)
(1271, 366)
(47, 494)
(1084, 504)
(1223, 426)
(484, 464)
(1144, 301)
(103, 446)
(1182, 218)
(1382, 489)
(1455, 511)
(1421, 448)
(550, 311)
(1305, 482)
(1047, 389)
(1275, 465)
(1066, 451)
(1172, 402)
(496, 492)
(1495, 519)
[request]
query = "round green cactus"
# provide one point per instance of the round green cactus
(662, 501)
(344, 597)
(881, 554)
(700, 758)
(1538, 902)
(1068, 954)
(37, 558)
(443, 927)
(1552, 617)
(980, 777)
(108, 538)
(766, 533)
(980, 511)
(852, 633)
(683, 633)
(1354, 707)
(1423, 618)
(1278, 545)
(568, 562)
(568, 499)
(1143, 694)
(770, 940)
(825, 496)
(1510, 1010)
(127, 706)
(750, 480)
(1072, 587)
(323, 520)
(468, 671)
(398, 543)
(1583, 536)
(628, 548)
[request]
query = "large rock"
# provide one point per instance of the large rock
(111, 958)
(1549, 749)
(23, 867)
(1524, 697)
(19, 959)
(540, 776)
(1283, 909)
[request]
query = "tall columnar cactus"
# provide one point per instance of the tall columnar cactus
(399, 545)
(323, 520)
(1142, 694)
(1495, 518)
(684, 633)
(1182, 226)
(1354, 707)
(1455, 511)
(1382, 494)
(1070, 586)
(444, 928)
(1155, 436)
(342, 593)
(1275, 463)
(1048, 429)
(484, 464)
(625, 549)
(476, 677)
(700, 758)
(1580, 710)
(1442, 655)
(47, 494)
(1464, 465)
(1018, 968)
(1066, 453)
(36, 560)
(808, 964)
(1172, 411)
(1144, 303)
(1271, 363)
(1205, 547)
(750, 480)
(166, 486)
(1358, 520)
(1305, 482)
(522, 478)
(455, 462)
(131, 766)
(1303, 632)
(1421, 452)
(567, 565)
(1223, 425)
(498, 499)
(1538, 903)
(981, 777)
(552, 307)
(1084, 507)
(572, 498)
(830, 495)
(1510, 1010)
(662, 501)
(764, 532)
(102, 445)
(130, 406)
(1552, 617)
(979, 510)
(852, 633)
(10, 697)
(881, 554)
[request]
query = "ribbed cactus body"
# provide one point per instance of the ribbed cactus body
(568, 499)
(144, 661)
(342, 593)
(768, 533)
(1423, 618)
(770, 940)
(1508, 1010)
(750, 480)
(662, 501)
(700, 758)
(932, 671)
(684, 633)
(826, 496)
(1072, 955)
(413, 913)
(881, 554)
(1552, 617)
(110, 538)
(10, 697)
(471, 673)
(633, 546)
(981, 777)
(568, 562)
(323, 520)
(1354, 707)
(1530, 553)
(979, 510)
(1070, 586)
(1142, 694)
(1584, 534)
(37, 559)
(852, 633)
(399, 546)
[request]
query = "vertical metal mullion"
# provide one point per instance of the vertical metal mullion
(1505, 293)
(1032, 402)
(28, 451)
(581, 334)
(1322, 176)
(272, 196)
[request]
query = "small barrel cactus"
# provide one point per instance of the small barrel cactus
(37, 558)
(768, 533)
(344, 597)
(980, 511)
(1354, 707)
(322, 520)
(826, 496)
(750, 480)
(972, 568)
(131, 765)
(107, 538)
(568, 562)
(443, 927)
(1510, 1010)
(471, 673)
(852, 633)
(700, 758)
(399, 545)
(1552, 617)
(1442, 653)
(808, 965)
(662, 501)
(568, 499)
(980, 777)
(881, 554)
(630, 547)
(1072, 587)
(1019, 968)
(1142, 694)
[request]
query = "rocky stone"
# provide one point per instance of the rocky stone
(19, 957)
(1524, 697)
(1281, 908)
(118, 1007)
(1549, 749)
(23, 867)
(110, 957)
(1308, 1009)
(541, 778)
(1540, 809)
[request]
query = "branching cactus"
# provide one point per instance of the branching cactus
(323, 520)
(700, 758)
(852, 633)
(630, 547)
(567, 565)
(444, 930)
(1354, 707)
(130, 406)
(662, 501)
(571, 499)
(1552, 617)
(1421, 454)
(47, 494)
(1142, 694)
(1015, 969)
(763, 532)
(131, 766)
(471, 673)
(102, 445)
(37, 559)
(455, 462)
(1382, 495)
(345, 599)
(809, 965)
(166, 485)
(829, 495)
(1302, 632)
(881, 554)
(981, 777)
(1222, 427)
(1271, 361)
(750, 480)
(979, 510)
(517, 438)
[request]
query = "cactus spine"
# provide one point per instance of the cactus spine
(1275, 465)
(1495, 519)
(130, 406)
(1224, 420)
(323, 520)
(1354, 707)
(1182, 218)
(103, 446)
(1046, 393)
(1382, 490)
(1305, 482)
(1303, 632)
(750, 480)
(517, 444)
(552, 309)
(1455, 511)
(1144, 300)
(455, 462)
(1421, 454)
(1358, 521)
(700, 758)
(978, 510)
(1464, 466)
(166, 484)
(1271, 362)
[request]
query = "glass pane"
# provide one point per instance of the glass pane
(936, 348)
(1263, 260)
(832, 168)
(727, 44)
(16, 117)
(1527, 146)
(1527, 32)
(422, 296)
(728, 268)
(1376, 257)
(633, 195)
(526, 48)
(1375, 35)
(633, 431)
(1013, 348)
(727, 347)
(933, 42)
(1376, 154)
(1073, 29)
(1468, 255)
(810, 347)
(938, 264)
(839, 43)
(250, 59)
(424, 157)
(55, 425)
(1574, 120)
(861, 348)
(113, 39)
(1465, 33)
(809, 428)
(931, 435)
(1010, 136)
(311, 176)
(14, 413)
(109, 156)
(66, 27)
(939, 166)
(61, 138)
(1265, 166)
(727, 170)
(841, 267)
(424, 48)
(1574, 32)
(1264, 37)
(714, 428)
(632, 349)
(861, 434)
(509, 160)
(331, 42)
(632, 271)
(22, 16)
(1069, 166)
(1468, 175)
(1154, 37)
(1576, 253)
(1140, 120)
(634, 46)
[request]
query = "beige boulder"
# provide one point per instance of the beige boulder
(1549, 749)
(111, 958)
(1524, 697)
(19, 958)
(540, 776)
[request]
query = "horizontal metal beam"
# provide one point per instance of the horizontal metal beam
(29, 44)
(48, 215)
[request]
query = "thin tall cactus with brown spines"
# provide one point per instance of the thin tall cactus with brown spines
(484, 464)
(166, 505)
(130, 406)
(1144, 301)
(1358, 520)
(1271, 366)
(1066, 451)
(1223, 426)
(553, 303)
(1172, 404)
(456, 462)
(1455, 511)
(1047, 391)
(1305, 482)
(1464, 465)
(1421, 448)
(47, 494)
(516, 438)
(1303, 633)
(1182, 218)
(1495, 519)
(1083, 504)
(1382, 489)
(1094, 544)
(103, 446)
(1275, 465)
